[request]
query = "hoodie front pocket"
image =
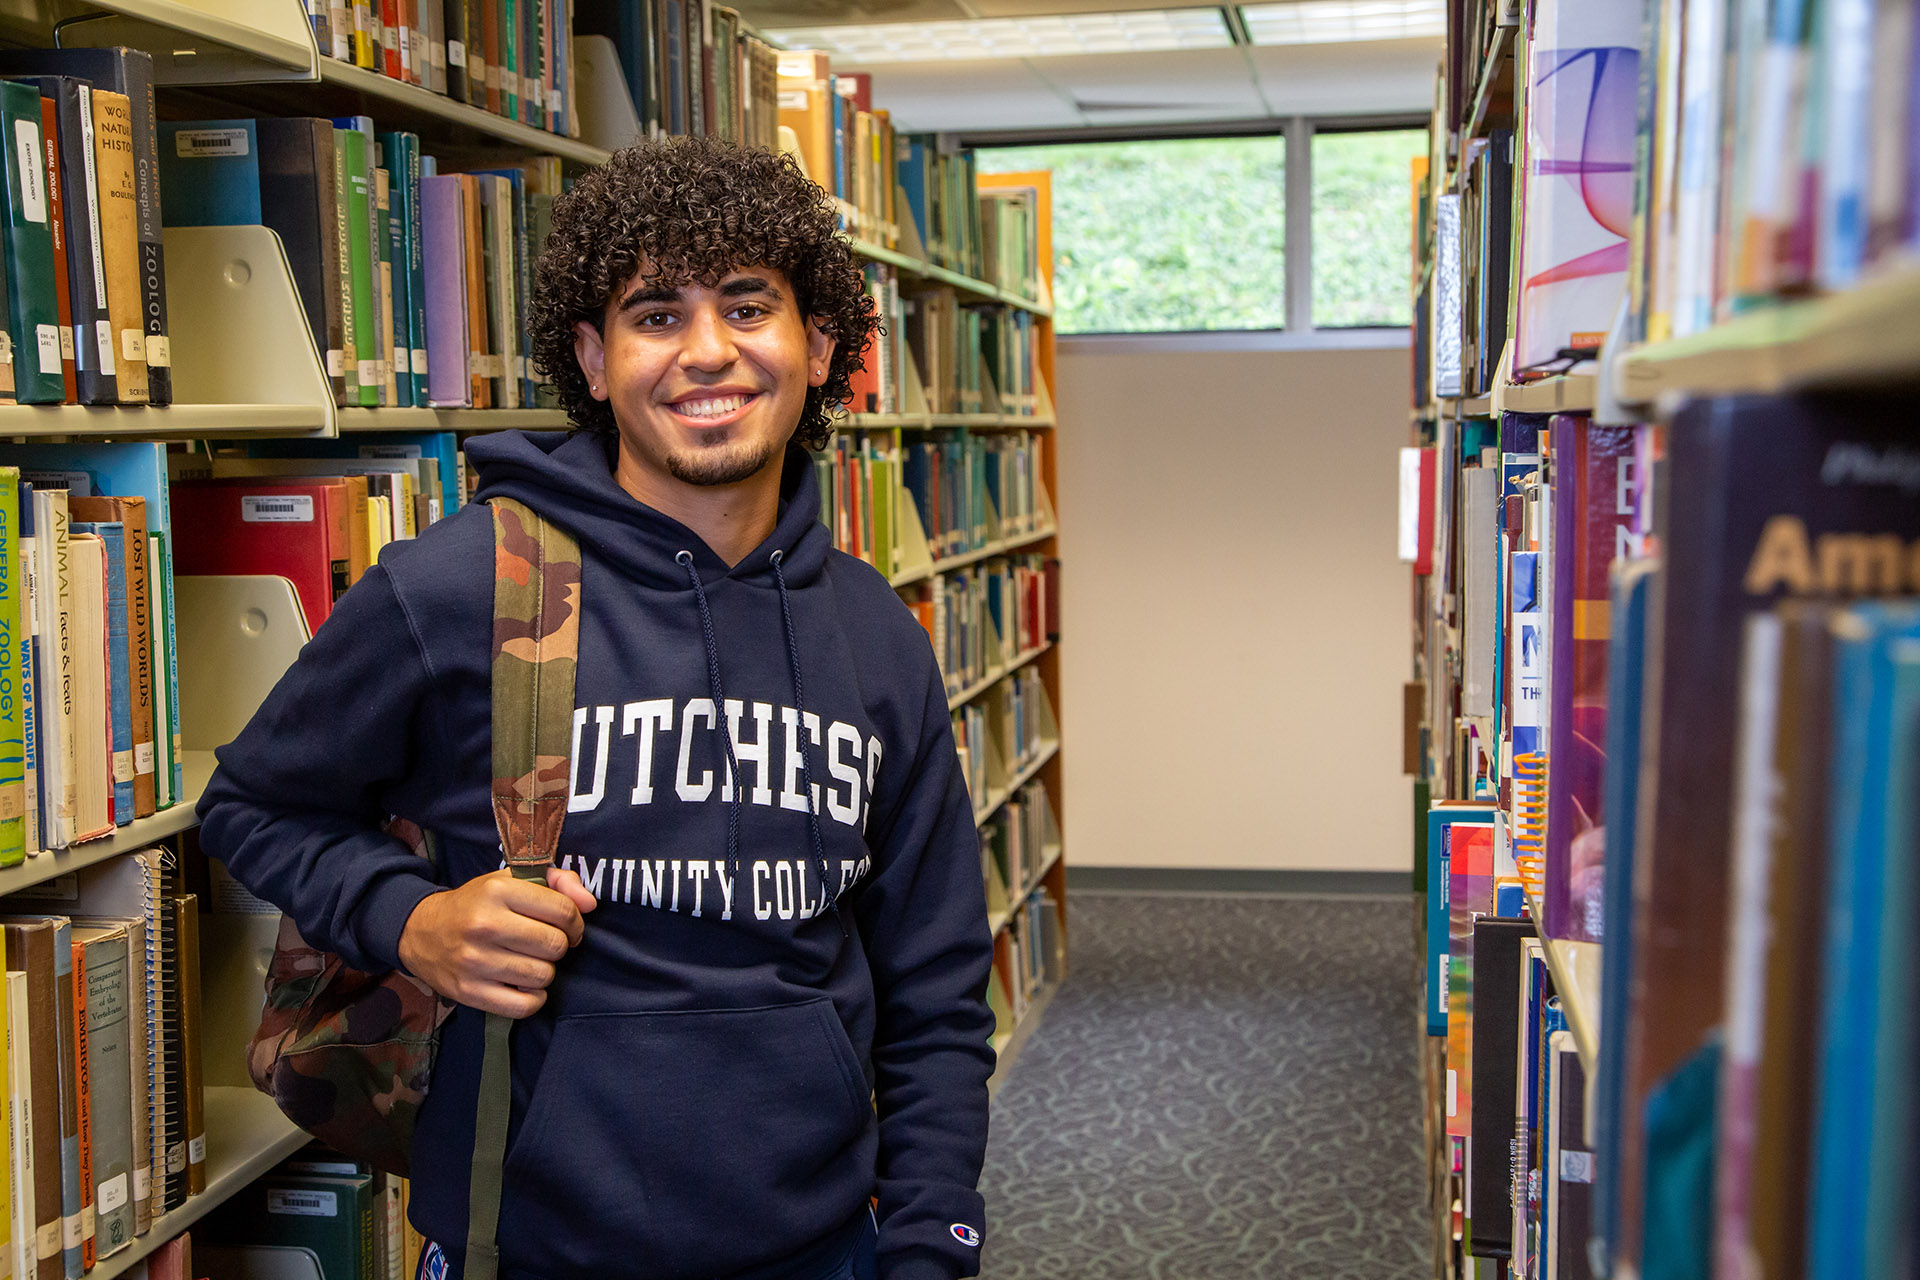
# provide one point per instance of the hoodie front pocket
(688, 1144)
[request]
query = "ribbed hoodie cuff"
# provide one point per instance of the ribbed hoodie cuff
(921, 1266)
(384, 911)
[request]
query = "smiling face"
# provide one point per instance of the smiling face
(706, 383)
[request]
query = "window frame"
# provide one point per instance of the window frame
(1298, 131)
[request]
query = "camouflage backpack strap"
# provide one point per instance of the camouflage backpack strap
(536, 634)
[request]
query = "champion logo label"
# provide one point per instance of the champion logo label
(965, 1235)
(433, 1263)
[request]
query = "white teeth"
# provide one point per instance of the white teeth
(717, 407)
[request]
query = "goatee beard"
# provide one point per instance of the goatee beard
(721, 464)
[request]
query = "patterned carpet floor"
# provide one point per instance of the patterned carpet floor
(1224, 1087)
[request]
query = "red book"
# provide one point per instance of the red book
(56, 206)
(1423, 556)
(390, 39)
(299, 530)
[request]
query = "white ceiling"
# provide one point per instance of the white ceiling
(1121, 89)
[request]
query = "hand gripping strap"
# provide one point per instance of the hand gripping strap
(536, 635)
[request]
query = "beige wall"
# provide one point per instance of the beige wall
(1234, 618)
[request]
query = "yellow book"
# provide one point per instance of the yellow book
(119, 241)
(379, 525)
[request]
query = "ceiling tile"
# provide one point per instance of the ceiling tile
(1215, 81)
(1337, 79)
(940, 96)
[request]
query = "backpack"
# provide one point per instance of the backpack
(348, 1056)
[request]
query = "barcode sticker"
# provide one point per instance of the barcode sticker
(190, 144)
(46, 1241)
(159, 351)
(103, 338)
(553, 101)
(33, 180)
(279, 508)
(70, 1231)
(111, 1194)
(47, 336)
(456, 54)
(133, 345)
(793, 99)
(436, 54)
(304, 1204)
(142, 1182)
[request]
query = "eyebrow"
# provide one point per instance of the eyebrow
(740, 286)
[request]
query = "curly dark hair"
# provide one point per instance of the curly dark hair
(695, 209)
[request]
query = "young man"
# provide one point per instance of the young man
(742, 955)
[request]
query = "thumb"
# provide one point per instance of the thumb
(568, 883)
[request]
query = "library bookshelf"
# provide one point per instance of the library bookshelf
(246, 366)
(1716, 937)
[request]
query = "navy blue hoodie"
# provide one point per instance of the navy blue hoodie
(697, 1098)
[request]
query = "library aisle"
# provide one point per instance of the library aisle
(1225, 1089)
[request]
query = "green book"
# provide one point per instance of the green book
(35, 313)
(391, 290)
(360, 265)
(13, 738)
(333, 1216)
(510, 58)
(109, 1079)
(350, 317)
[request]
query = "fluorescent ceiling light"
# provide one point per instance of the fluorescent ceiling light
(1138, 31)
(1342, 21)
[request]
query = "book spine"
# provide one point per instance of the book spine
(454, 16)
(24, 1262)
(474, 244)
(416, 270)
(510, 58)
(35, 814)
(82, 1089)
(187, 928)
(366, 363)
(489, 42)
(13, 782)
(339, 44)
(383, 233)
(139, 1075)
(110, 1079)
(157, 352)
(163, 794)
(93, 369)
(119, 689)
(343, 253)
(366, 52)
(119, 238)
(34, 311)
(57, 225)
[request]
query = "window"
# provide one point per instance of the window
(1164, 235)
(1362, 227)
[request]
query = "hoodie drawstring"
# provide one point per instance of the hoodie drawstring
(800, 710)
(720, 711)
(726, 729)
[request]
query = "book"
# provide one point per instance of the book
(53, 611)
(211, 172)
(113, 157)
(331, 1215)
(443, 248)
(298, 200)
(109, 1000)
(23, 1173)
(356, 182)
(1469, 858)
(118, 675)
(289, 527)
(1569, 1164)
(34, 946)
(13, 788)
(1495, 1036)
(186, 921)
(92, 695)
(57, 226)
(33, 301)
(134, 674)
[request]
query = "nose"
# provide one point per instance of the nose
(707, 344)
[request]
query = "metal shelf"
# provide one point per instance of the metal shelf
(969, 693)
(998, 548)
(1576, 979)
(415, 419)
(418, 103)
(138, 834)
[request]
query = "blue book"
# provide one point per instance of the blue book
(163, 559)
(124, 468)
(416, 265)
(1854, 1215)
(910, 164)
(1633, 583)
(400, 279)
(210, 170)
(119, 682)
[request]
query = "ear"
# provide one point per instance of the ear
(590, 351)
(819, 353)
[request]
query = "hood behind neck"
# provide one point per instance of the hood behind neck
(567, 476)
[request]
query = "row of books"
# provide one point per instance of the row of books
(692, 67)
(1779, 153)
(846, 146)
(514, 58)
(105, 1103)
(316, 512)
(983, 617)
(1738, 831)
(90, 734)
(1013, 845)
(85, 296)
(880, 385)
(859, 475)
(415, 282)
(351, 1218)
(969, 488)
(1029, 957)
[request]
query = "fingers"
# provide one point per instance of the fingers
(547, 906)
(568, 883)
(508, 1001)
